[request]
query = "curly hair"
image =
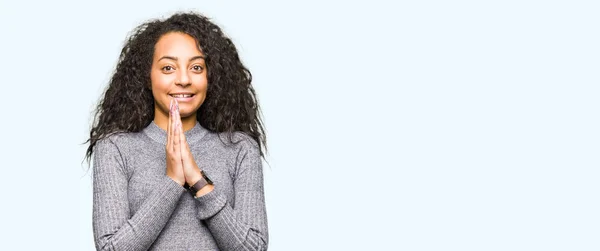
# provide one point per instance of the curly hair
(230, 105)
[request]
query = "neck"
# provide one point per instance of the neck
(187, 123)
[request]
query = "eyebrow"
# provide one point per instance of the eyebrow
(176, 59)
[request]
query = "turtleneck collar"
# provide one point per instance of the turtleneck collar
(159, 135)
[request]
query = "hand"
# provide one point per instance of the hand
(174, 164)
(190, 168)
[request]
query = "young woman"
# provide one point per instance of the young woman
(177, 142)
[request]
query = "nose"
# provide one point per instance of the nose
(183, 78)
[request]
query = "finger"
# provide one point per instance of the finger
(176, 129)
(183, 142)
(173, 125)
(176, 111)
(184, 149)
(176, 123)
(170, 128)
(179, 124)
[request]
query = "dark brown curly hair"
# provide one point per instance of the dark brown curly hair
(230, 105)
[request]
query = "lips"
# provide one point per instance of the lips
(185, 95)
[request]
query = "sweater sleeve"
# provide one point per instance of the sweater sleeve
(114, 226)
(243, 226)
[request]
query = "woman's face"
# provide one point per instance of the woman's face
(178, 71)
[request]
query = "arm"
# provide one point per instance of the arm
(114, 229)
(243, 227)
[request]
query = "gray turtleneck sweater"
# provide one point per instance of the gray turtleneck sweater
(137, 207)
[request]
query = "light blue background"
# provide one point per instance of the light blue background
(416, 125)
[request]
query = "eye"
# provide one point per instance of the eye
(197, 68)
(167, 68)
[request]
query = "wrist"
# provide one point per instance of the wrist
(181, 183)
(200, 185)
(193, 179)
(206, 189)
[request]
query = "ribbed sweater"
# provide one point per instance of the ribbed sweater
(137, 207)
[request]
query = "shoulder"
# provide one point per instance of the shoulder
(245, 139)
(239, 140)
(246, 149)
(230, 139)
(119, 148)
(231, 144)
(119, 140)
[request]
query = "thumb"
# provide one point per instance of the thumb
(183, 145)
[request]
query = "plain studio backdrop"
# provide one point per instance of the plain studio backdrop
(415, 125)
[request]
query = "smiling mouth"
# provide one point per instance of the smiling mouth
(181, 95)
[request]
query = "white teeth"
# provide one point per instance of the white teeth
(182, 95)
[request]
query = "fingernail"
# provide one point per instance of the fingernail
(177, 105)
(171, 106)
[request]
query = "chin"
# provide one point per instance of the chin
(185, 113)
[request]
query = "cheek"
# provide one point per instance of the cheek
(159, 86)
(159, 83)
(204, 87)
(201, 83)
